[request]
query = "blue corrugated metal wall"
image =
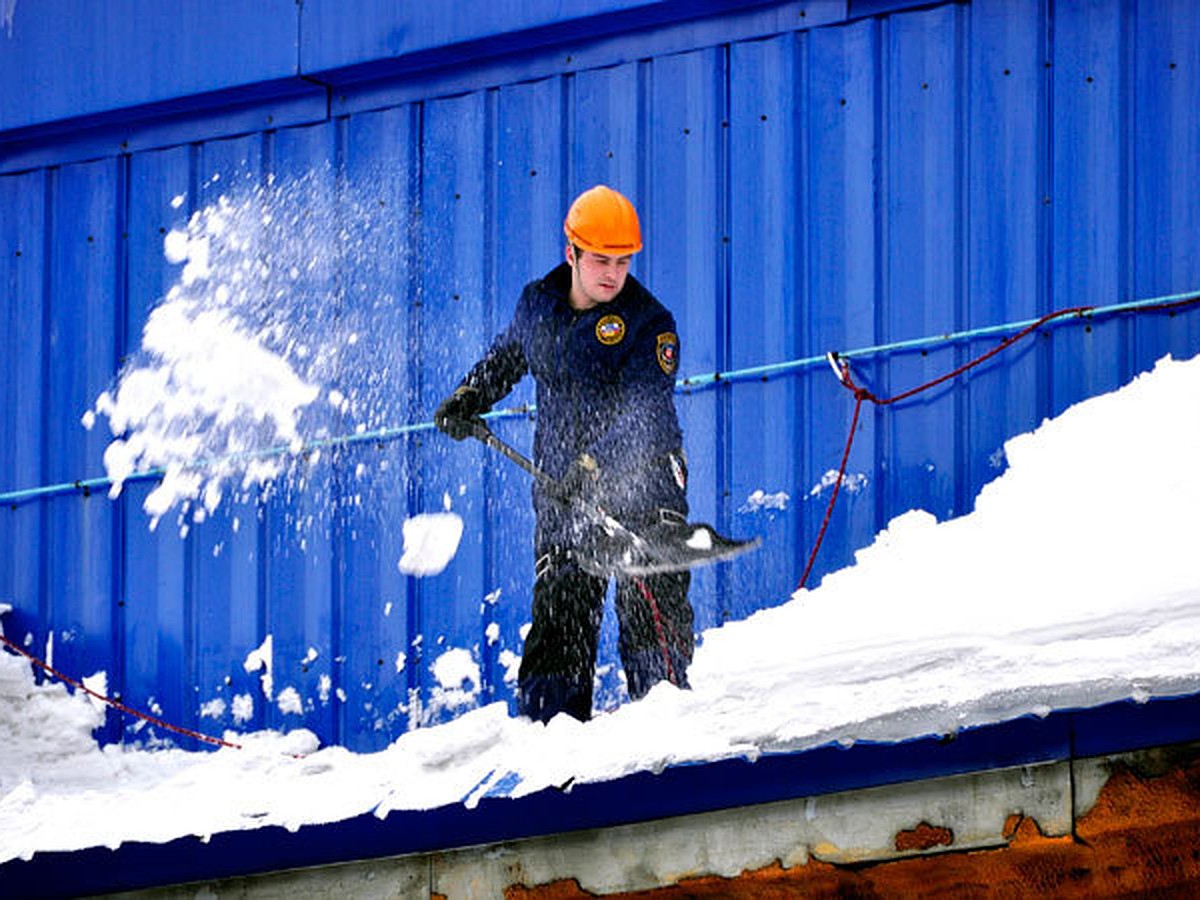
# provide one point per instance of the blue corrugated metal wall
(808, 180)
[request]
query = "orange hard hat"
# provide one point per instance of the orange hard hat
(603, 221)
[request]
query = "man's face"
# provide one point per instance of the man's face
(596, 278)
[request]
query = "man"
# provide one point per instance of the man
(603, 353)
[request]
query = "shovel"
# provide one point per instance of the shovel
(619, 550)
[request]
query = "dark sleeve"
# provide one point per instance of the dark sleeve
(504, 364)
(646, 422)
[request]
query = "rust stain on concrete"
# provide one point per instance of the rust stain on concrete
(1141, 837)
(924, 837)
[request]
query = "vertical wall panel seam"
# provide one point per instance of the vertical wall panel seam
(262, 570)
(722, 313)
(643, 147)
(801, 266)
(962, 155)
(491, 484)
(338, 463)
(416, 230)
(191, 668)
(1127, 112)
(880, 165)
(120, 316)
(567, 100)
(49, 186)
(1046, 212)
(299, 38)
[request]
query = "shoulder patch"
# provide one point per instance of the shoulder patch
(667, 350)
(610, 330)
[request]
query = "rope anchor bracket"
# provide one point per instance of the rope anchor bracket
(840, 367)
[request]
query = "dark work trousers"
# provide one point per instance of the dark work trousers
(558, 667)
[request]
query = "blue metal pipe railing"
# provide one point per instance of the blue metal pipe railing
(685, 385)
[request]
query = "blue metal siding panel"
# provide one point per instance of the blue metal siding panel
(63, 58)
(682, 219)
(1006, 222)
(921, 76)
(455, 135)
(767, 303)
(387, 39)
(83, 285)
(382, 29)
(228, 549)
(157, 649)
(461, 70)
(22, 424)
(371, 679)
(607, 116)
(842, 222)
(1166, 169)
(526, 214)
(1088, 196)
(299, 520)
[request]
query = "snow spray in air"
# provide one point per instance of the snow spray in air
(275, 336)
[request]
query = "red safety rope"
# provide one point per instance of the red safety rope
(648, 596)
(842, 367)
(116, 704)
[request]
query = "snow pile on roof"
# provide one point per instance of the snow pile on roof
(1072, 584)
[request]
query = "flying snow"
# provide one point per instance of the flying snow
(430, 542)
(221, 396)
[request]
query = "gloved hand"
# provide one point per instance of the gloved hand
(581, 479)
(456, 414)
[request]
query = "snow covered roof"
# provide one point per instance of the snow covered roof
(1080, 642)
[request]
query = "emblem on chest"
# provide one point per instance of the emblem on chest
(610, 330)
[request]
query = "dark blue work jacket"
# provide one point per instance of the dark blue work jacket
(605, 386)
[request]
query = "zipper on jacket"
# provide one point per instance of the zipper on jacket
(572, 387)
